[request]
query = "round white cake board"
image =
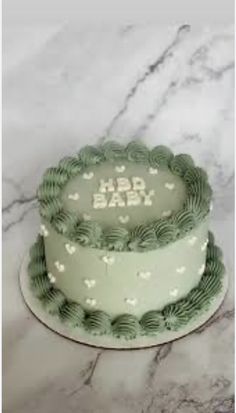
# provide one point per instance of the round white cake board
(81, 336)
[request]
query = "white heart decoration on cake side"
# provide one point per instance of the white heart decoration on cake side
(74, 197)
(70, 248)
(167, 213)
(131, 301)
(204, 245)
(43, 231)
(192, 240)
(86, 217)
(108, 259)
(153, 171)
(169, 186)
(60, 267)
(120, 168)
(90, 283)
(201, 269)
(91, 301)
(88, 175)
(123, 219)
(145, 275)
(174, 292)
(51, 277)
(181, 270)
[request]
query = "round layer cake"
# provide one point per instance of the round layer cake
(124, 248)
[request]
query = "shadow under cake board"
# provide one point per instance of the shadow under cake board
(80, 336)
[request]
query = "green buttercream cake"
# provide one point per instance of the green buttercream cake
(124, 248)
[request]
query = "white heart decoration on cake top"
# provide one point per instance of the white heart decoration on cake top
(43, 231)
(192, 240)
(145, 275)
(169, 186)
(120, 168)
(74, 197)
(60, 267)
(86, 217)
(51, 277)
(204, 245)
(91, 301)
(131, 301)
(124, 219)
(201, 269)
(108, 259)
(90, 283)
(88, 175)
(153, 171)
(167, 213)
(181, 270)
(70, 248)
(174, 292)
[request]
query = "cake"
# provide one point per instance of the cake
(124, 249)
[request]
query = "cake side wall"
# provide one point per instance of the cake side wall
(126, 282)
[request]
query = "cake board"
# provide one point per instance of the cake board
(106, 341)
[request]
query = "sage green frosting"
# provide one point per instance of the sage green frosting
(137, 152)
(88, 233)
(160, 156)
(52, 300)
(165, 231)
(113, 151)
(171, 317)
(140, 238)
(98, 322)
(126, 325)
(71, 313)
(153, 322)
(180, 163)
(116, 238)
(40, 284)
(89, 155)
(55, 176)
(64, 222)
(71, 166)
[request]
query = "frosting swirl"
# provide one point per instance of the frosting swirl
(53, 300)
(193, 174)
(160, 156)
(116, 238)
(48, 209)
(64, 222)
(56, 176)
(165, 231)
(137, 152)
(71, 166)
(210, 284)
(113, 151)
(215, 267)
(142, 237)
(214, 253)
(153, 322)
(90, 155)
(88, 233)
(126, 325)
(180, 163)
(48, 190)
(37, 266)
(198, 206)
(198, 299)
(175, 316)
(40, 284)
(185, 220)
(37, 249)
(98, 322)
(71, 313)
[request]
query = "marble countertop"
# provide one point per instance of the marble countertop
(64, 87)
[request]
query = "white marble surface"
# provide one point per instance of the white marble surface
(64, 87)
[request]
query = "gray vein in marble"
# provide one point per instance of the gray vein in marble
(217, 318)
(19, 219)
(161, 354)
(151, 69)
(87, 374)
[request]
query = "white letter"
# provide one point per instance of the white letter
(147, 197)
(138, 183)
(106, 186)
(133, 198)
(99, 201)
(123, 184)
(116, 200)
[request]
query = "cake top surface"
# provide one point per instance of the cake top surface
(124, 198)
